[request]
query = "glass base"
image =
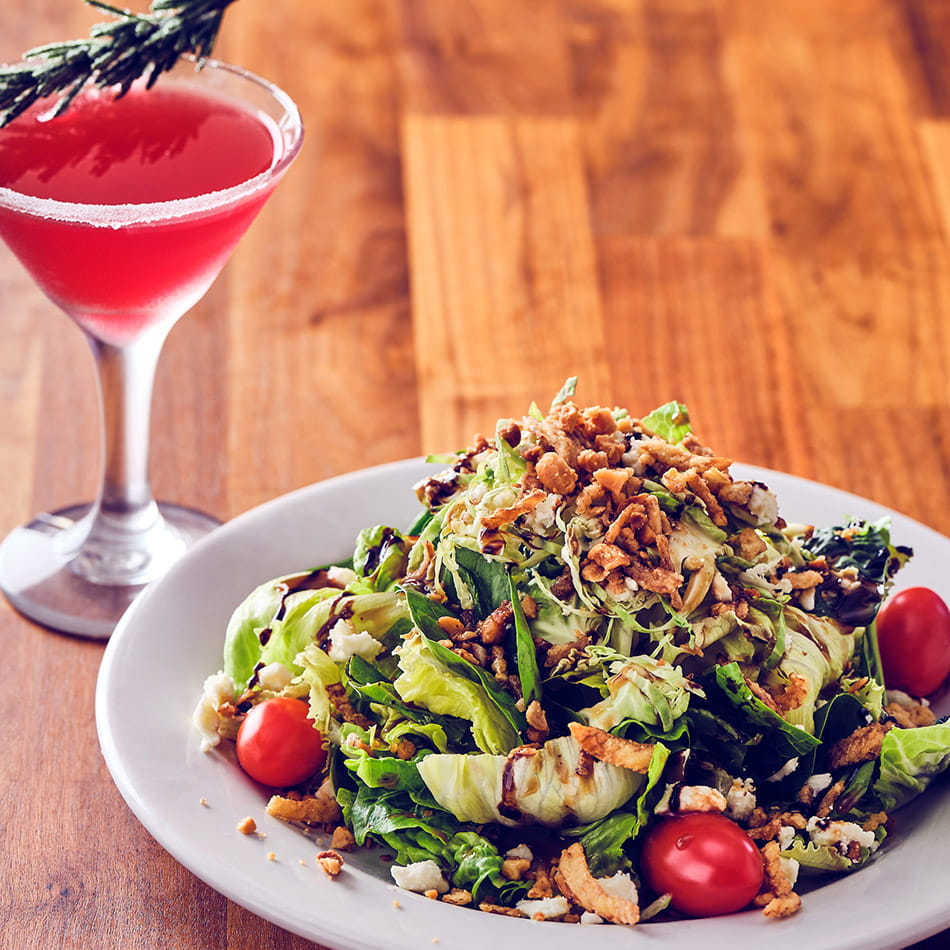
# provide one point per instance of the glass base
(40, 565)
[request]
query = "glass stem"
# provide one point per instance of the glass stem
(121, 545)
(126, 378)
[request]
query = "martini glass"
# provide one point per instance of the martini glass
(124, 210)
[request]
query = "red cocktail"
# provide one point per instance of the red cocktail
(124, 211)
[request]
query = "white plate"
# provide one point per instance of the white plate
(171, 638)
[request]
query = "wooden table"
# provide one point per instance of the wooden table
(741, 205)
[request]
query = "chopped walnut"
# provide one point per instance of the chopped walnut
(555, 474)
(535, 716)
(451, 626)
(499, 909)
(342, 839)
(458, 896)
(792, 694)
(747, 544)
(403, 748)
(608, 556)
(344, 708)
(493, 628)
(542, 886)
(331, 862)
(515, 868)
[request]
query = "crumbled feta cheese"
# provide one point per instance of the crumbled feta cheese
(700, 798)
(341, 575)
(494, 499)
(721, 589)
(839, 834)
(218, 689)
(786, 835)
(347, 641)
(541, 520)
(740, 799)
(806, 598)
(634, 459)
(790, 866)
(274, 676)
(785, 770)
(682, 798)
(759, 575)
(763, 505)
(546, 908)
(588, 917)
(520, 851)
(620, 885)
(421, 876)
(477, 493)
(819, 782)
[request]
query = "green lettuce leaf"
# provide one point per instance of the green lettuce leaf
(318, 671)
(815, 857)
(389, 816)
(565, 392)
(864, 547)
(485, 580)
(525, 650)
(278, 619)
(910, 760)
(382, 770)
(837, 718)
(816, 649)
(644, 691)
(773, 741)
(381, 556)
(539, 785)
(478, 869)
(436, 679)
(370, 683)
(251, 624)
(669, 421)
(417, 833)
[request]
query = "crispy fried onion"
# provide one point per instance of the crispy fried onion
(602, 745)
(575, 881)
(502, 516)
(318, 809)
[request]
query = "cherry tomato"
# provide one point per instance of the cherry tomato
(704, 861)
(913, 635)
(277, 744)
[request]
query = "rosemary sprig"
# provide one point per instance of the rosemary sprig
(116, 53)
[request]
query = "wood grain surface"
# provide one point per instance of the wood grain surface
(738, 204)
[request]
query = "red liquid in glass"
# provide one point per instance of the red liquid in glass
(116, 278)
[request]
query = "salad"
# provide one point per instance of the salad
(599, 680)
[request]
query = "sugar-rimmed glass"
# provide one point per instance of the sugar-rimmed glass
(125, 272)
